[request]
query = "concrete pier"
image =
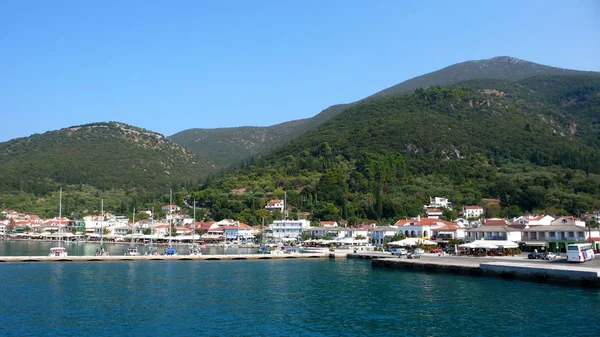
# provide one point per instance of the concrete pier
(163, 257)
(539, 271)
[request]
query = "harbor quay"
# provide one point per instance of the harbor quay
(519, 268)
(161, 257)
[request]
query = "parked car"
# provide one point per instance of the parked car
(414, 255)
(399, 251)
(535, 255)
(550, 256)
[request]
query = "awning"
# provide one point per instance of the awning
(534, 243)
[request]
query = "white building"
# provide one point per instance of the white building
(288, 229)
(430, 228)
(329, 224)
(471, 212)
(237, 232)
(493, 233)
(379, 233)
(568, 220)
(434, 213)
(436, 202)
(540, 220)
(273, 205)
(171, 208)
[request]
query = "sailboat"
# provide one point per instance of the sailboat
(171, 250)
(101, 251)
(59, 251)
(263, 248)
(151, 250)
(194, 248)
(132, 250)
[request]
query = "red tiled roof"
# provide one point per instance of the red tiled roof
(473, 207)
(495, 222)
(274, 202)
(404, 222)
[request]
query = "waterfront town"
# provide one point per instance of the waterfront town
(529, 232)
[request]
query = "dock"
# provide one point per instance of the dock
(17, 259)
(540, 271)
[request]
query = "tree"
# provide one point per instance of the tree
(304, 236)
(449, 214)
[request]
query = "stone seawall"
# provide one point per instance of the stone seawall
(544, 273)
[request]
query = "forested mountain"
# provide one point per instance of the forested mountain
(103, 155)
(223, 147)
(500, 67)
(532, 144)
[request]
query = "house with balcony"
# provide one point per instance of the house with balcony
(240, 231)
(169, 209)
(288, 230)
(436, 202)
(434, 213)
(276, 204)
(493, 233)
(472, 212)
(430, 228)
(557, 237)
(378, 234)
(321, 232)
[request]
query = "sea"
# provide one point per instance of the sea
(289, 297)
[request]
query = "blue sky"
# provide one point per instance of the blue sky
(168, 66)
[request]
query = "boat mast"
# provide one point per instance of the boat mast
(152, 230)
(102, 224)
(194, 223)
(132, 226)
(171, 216)
(60, 217)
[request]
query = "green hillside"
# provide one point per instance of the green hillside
(384, 157)
(104, 155)
(223, 147)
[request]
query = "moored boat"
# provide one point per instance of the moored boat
(58, 252)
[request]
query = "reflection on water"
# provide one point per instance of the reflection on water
(42, 248)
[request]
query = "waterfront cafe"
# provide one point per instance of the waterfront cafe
(489, 247)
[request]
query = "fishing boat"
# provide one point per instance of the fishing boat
(59, 251)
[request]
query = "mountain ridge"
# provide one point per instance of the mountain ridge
(499, 67)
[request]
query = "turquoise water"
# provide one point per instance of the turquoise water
(42, 248)
(308, 297)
